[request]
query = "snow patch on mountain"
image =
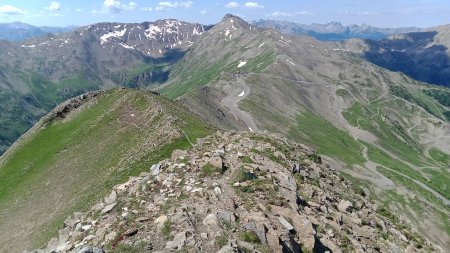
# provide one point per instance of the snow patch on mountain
(126, 46)
(115, 34)
(293, 64)
(242, 63)
(152, 31)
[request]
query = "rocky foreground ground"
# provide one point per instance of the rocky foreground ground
(238, 192)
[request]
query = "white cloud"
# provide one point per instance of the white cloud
(366, 13)
(11, 10)
(112, 5)
(204, 11)
(232, 5)
(290, 14)
(116, 7)
(362, 13)
(253, 5)
(79, 10)
(280, 14)
(54, 6)
(166, 6)
(132, 6)
(304, 13)
(147, 9)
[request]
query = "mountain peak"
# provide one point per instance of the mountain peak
(228, 16)
(233, 21)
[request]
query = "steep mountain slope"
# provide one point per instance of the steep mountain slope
(103, 48)
(78, 152)
(238, 192)
(386, 130)
(217, 52)
(328, 97)
(333, 31)
(422, 55)
(41, 72)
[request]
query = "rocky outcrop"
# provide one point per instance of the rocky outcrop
(65, 108)
(237, 192)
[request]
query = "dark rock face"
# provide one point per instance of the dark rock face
(62, 110)
(414, 54)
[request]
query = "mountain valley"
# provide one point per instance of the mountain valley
(387, 133)
(42, 72)
(293, 95)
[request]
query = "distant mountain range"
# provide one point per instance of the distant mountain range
(333, 31)
(384, 129)
(420, 53)
(39, 73)
(18, 31)
(423, 55)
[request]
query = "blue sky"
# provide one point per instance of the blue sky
(382, 13)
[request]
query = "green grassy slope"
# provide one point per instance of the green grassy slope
(328, 139)
(216, 57)
(200, 72)
(68, 164)
(32, 95)
(393, 137)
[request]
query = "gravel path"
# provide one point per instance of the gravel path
(372, 166)
(240, 90)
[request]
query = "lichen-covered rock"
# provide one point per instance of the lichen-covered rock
(247, 200)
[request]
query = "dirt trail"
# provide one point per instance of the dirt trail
(239, 91)
(372, 166)
(382, 181)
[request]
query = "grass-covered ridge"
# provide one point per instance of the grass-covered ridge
(202, 72)
(67, 165)
(20, 111)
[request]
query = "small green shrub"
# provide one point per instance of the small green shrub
(247, 159)
(166, 229)
(243, 175)
(209, 170)
(249, 236)
(125, 248)
(315, 158)
(221, 241)
(384, 235)
(346, 244)
(306, 250)
(386, 213)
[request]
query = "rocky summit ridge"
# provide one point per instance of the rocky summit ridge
(238, 192)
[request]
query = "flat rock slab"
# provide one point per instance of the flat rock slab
(286, 224)
(108, 208)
